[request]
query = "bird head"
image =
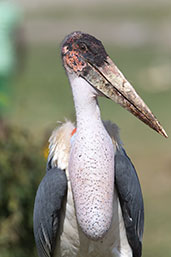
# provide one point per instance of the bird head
(85, 56)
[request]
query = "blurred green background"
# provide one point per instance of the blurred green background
(137, 37)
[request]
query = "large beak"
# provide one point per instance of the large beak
(111, 82)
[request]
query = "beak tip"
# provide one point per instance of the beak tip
(162, 132)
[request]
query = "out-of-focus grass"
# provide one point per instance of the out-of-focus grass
(42, 96)
(105, 12)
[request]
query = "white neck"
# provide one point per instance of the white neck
(85, 100)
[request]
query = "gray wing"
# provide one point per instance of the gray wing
(131, 200)
(48, 203)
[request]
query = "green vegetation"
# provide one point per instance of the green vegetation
(22, 166)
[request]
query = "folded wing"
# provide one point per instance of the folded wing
(131, 200)
(48, 203)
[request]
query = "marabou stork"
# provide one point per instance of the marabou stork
(89, 202)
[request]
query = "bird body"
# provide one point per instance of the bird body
(89, 202)
(72, 241)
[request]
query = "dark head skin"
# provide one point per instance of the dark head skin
(79, 48)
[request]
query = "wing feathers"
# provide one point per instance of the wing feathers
(130, 196)
(48, 203)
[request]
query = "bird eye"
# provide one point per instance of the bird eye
(83, 47)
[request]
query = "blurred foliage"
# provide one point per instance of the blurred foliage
(21, 167)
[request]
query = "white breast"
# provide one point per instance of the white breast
(74, 243)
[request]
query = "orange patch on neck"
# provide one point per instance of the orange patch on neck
(73, 132)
